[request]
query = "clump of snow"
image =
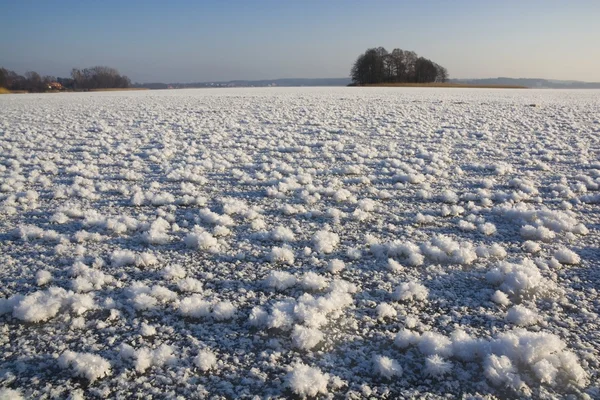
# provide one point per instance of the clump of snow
(467, 348)
(493, 251)
(120, 258)
(487, 228)
(224, 310)
(531, 246)
(499, 297)
(86, 365)
(424, 219)
(280, 280)
(432, 343)
(195, 306)
(448, 196)
(157, 234)
(325, 241)
(205, 360)
(566, 256)
(410, 291)
(174, 272)
(213, 218)
(191, 285)
(283, 234)
(32, 232)
(437, 366)
(145, 259)
(542, 233)
(406, 338)
(411, 251)
(451, 211)
(313, 281)
(44, 305)
(144, 301)
(306, 338)
(145, 357)
(543, 224)
(386, 367)
(88, 279)
(306, 309)
(284, 255)
(10, 394)
(394, 265)
(520, 280)
(499, 370)
(147, 330)
(43, 277)
(385, 310)
(366, 204)
(305, 380)
(442, 248)
(522, 316)
(336, 265)
(201, 240)
(466, 225)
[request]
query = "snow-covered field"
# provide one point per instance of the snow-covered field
(332, 242)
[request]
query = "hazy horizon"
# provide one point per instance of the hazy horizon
(185, 41)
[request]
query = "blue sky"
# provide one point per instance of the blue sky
(191, 41)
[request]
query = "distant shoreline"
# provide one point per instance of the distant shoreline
(443, 85)
(5, 91)
(112, 89)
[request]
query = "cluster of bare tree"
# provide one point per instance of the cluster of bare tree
(31, 82)
(99, 78)
(88, 78)
(400, 66)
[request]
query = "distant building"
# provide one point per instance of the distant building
(55, 86)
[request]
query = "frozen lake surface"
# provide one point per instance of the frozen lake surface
(329, 242)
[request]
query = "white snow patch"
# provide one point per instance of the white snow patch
(386, 367)
(86, 365)
(309, 381)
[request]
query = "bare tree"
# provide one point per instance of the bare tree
(376, 65)
(99, 78)
(398, 65)
(3, 79)
(34, 82)
(442, 74)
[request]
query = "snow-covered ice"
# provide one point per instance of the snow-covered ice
(330, 242)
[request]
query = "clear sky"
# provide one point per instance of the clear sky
(194, 40)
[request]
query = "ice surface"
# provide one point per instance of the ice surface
(331, 242)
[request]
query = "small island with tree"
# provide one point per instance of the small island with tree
(377, 66)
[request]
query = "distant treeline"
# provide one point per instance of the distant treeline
(88, 78)
(284, 82)
(400, 66)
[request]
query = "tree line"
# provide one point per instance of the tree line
(377, 65)
(81, 79)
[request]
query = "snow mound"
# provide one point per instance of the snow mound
(205, 360)
(410, 291)
(85, 365)
(305, 338)
(437, 366)
(325, 241)
(566, 256)
(283, 255)
(386, 367)
(520, 280)
(307, 381)
(43, 305)
(10, 394)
